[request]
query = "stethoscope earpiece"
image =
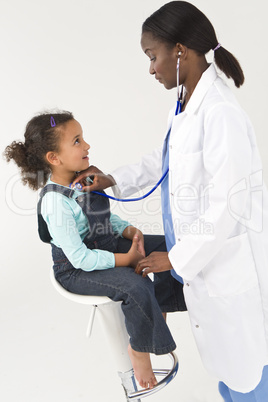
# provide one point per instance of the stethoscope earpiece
(179, 93)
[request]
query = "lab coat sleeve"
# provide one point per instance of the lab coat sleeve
(227, 160)
(132, 178)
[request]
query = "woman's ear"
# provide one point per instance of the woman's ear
(181, 50)
(52, 158)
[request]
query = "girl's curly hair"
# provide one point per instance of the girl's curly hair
(40, 137)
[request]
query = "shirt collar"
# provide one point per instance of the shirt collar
(202, 87)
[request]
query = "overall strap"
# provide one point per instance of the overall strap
(68, 192)
(96, 209)
(42, 226)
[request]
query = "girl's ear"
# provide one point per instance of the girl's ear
(52, 158)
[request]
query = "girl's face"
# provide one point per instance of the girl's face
(163, 60)
(73, 150)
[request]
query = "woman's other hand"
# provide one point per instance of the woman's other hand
(157, 261)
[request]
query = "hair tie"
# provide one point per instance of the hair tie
(217, 47)
(52, 122)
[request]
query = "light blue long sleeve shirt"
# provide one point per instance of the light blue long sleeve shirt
(68, 226)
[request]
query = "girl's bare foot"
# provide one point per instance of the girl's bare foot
(142, 367)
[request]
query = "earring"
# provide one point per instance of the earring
(179, 54)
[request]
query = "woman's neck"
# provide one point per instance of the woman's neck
(195, 71)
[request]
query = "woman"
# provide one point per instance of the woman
(216, 229)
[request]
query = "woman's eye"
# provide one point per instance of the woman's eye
(152, 58)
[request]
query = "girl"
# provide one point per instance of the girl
(216, 226)
(94, 251)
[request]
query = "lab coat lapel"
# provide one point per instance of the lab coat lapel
(176, 123)
(201, 89)
(180, 122)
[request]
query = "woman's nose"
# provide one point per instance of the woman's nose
(151, 69)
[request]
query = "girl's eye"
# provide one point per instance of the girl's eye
(77, 141)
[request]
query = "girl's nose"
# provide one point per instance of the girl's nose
(87, 146)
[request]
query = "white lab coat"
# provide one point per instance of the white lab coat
(219, 208)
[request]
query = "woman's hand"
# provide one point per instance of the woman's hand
(98, 180)
(157, 261)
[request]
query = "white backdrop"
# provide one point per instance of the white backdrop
(85, 56)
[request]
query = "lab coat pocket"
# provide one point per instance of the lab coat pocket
(232, 271)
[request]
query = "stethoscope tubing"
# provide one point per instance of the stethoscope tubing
(138, 198)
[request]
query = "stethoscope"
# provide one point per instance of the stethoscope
(178, 110)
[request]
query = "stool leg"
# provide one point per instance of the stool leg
(129, 384)
(113, 323)
(91, 321)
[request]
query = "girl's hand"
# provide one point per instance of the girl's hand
(98, 180)
(141, 244)
(134, 254)
(129, 233)
(157, 261)
(132, 257)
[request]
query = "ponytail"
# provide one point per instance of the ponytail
(229, 65)
(181, 22)
(41, 136)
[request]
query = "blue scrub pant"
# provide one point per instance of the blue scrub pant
(259, 394)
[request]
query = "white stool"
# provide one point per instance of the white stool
(113, 323)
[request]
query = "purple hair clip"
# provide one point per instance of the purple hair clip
(52, 122)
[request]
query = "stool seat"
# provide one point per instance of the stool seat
(82, 299)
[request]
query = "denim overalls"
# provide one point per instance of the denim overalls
(144, 321)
